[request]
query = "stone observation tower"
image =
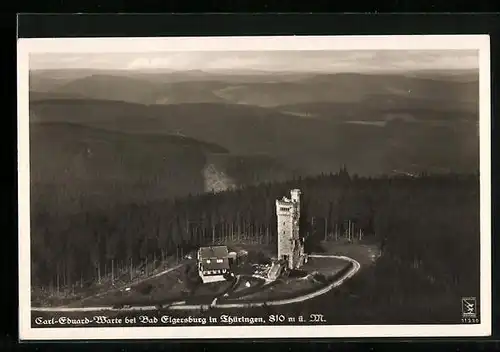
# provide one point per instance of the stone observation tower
(290, 243)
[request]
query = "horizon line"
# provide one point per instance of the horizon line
(251, 70)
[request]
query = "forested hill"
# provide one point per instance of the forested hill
(427, 219)
(74, 167)
(375, 136)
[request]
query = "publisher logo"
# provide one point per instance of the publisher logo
(469, 307)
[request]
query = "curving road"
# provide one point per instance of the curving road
(181, 305)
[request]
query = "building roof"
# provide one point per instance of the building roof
(214, 252)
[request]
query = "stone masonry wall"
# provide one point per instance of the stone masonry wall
(288, 213)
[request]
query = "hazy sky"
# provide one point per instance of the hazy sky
(332, 61)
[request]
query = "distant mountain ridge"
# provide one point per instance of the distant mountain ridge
(259, 89)
(114, 136)
(147, 136)
(312, 145)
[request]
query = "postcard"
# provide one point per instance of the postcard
(254, 187)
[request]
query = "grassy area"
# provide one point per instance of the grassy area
(177, 285)
(283, 288)
(296, 285)
(168, 286)
(364, 252)
(83, 293)
(327, 267)
(183, 283)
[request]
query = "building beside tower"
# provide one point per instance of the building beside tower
(213, 263)
(290, 242)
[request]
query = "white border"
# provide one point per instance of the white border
(130, 45)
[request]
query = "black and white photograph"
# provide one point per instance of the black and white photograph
(254, 187)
